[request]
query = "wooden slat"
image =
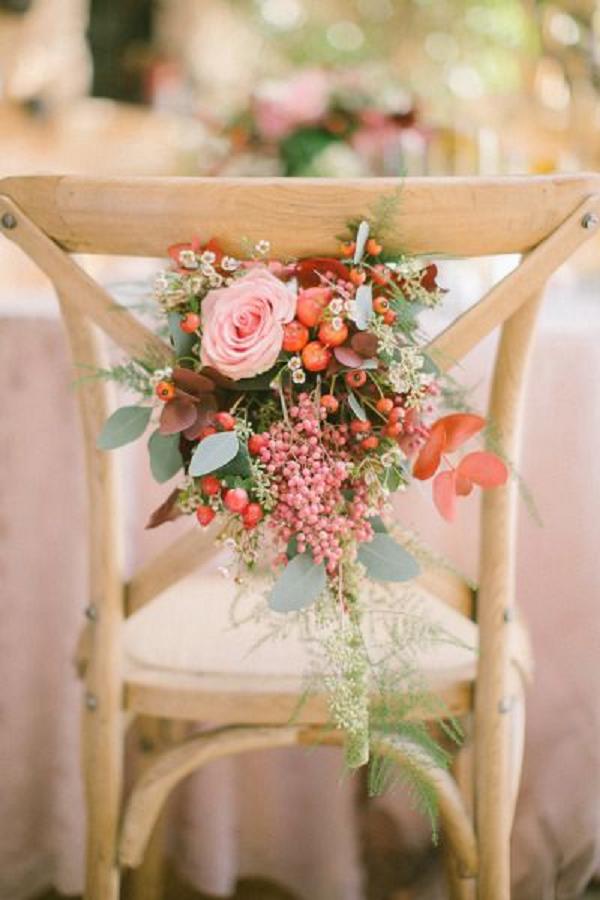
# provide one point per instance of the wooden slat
(143, 216)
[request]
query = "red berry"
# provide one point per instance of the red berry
(210, 485)
(310, 307)
(359, 427)
(373, 248)
(225, 421)
(395, 414)
(330, 403)
(252, 515)
(190, 323)
(295, 336)
(357, 277)
(205, 515)
(381, 305)
(356, 378)
(389, 317)
(316, 357)
(380, 274)
(385, 405)
(331, 336)
(165, 390)
(393, 429)
(236, 500)
(370, 443)
(256, 443)
(207, 431)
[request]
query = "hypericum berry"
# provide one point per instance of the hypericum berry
(205, 515)
(356, 378)
(252, 515)
(295, 336)
(395, 414)
(373, 248)
(256, 443)
(207, 431)
(358, 426)
(309, 308)
(331, 336)
(393, 429)
(190, 323)
(236, 500)
(165, 390)
(389, 317)
(316, 357)
(347, 249)
(225, 421)
(357, 277)
(380, 274)
(330, 403)
(381, 305)
(370, 443)
(385, 405)
(210, 485)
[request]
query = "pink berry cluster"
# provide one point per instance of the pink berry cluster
(308, 483)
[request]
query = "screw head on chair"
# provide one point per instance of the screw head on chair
(91, 701)
(590, 221)
(8, 221)
(91, 613)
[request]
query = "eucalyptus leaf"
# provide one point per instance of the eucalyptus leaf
(299, 585)
(356, 407)
(385, 560)
(239, 465)
(364, 306)
(125, 425)
(378, 525)
(165, 458)
(182, 343)
(362, 236)
(213, 452)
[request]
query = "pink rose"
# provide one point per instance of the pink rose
(243, 324)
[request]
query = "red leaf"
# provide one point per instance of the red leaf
(428, 277)
(365, 344)
(464, 485)
(430, 455)
(166, 512)
(309, 270)
(485, 469)
(192, 382)
(459, 427)
(444, 493)
(177, 415)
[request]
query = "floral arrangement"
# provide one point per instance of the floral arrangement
(329, 122)
(300, 397)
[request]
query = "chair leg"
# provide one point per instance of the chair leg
(460, 888)
(494, 807)
(102, 768)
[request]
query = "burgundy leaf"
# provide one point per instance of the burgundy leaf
(348, 357)
(365, 344)
(204, 414)
(308, 271)
(166, 512)
(177, 415)
(192, 382)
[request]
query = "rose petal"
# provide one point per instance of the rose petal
(430, 455)
(485, 469)
(177, 415)
(459, 427)
(444, 493)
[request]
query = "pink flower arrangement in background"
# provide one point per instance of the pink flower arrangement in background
(282, 106)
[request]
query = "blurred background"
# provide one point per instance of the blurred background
(296, 87)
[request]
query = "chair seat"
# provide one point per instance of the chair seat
(207, 625)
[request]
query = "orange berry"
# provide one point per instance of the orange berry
(190, 323)
(360, 426)
(295, 336)
(395, 414)
(385, 405)
(370, 443)
(309, 310)
(357, 277)
(331, 336)
(381, 305)
(393, 429)
(356, 378)
(389, 317)
(347, 250)
(316, 357)
(373, 248)
(330, 403)
(165, 390)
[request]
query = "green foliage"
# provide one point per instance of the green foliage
(385, 560)
(214, 452)
(132, 375)
(183, 343)
(124, 426)
(299, 585)
(300, 149)
(165, 458)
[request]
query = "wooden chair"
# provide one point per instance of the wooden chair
(546, 219)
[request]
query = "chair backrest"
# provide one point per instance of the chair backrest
(543, 218)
